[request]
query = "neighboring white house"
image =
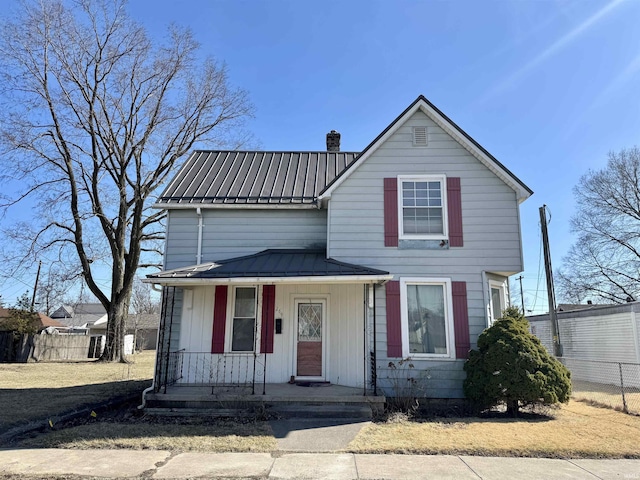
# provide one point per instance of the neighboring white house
(332, 266)
(604, 333)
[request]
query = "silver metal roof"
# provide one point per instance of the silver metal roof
(254, 177)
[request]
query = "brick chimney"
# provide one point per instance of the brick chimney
(333, 141)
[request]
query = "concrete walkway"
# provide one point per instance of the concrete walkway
(338, 466)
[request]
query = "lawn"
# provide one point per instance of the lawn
(40, 391)
(576, 430)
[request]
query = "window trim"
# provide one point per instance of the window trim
(448, 311)
(503, 298)
(445, 216)
(231, 302)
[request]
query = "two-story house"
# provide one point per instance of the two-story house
(327, 268)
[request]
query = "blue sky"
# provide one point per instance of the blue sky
(548, 87)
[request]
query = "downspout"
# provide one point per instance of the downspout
(155, 363)
(200, 228)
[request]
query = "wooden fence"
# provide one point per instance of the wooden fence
(47, 348)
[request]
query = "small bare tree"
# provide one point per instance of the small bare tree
(94, 119)
(604, 262)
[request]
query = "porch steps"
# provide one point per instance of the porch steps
(281, 400)
(358, 411)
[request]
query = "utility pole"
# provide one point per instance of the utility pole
(553, 317)
(521, 294)
(33, 298)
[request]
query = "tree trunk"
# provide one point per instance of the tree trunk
(512, 408)
(116, 321)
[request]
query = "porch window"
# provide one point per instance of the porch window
(244, 319)
(427, 317)
(422, 204)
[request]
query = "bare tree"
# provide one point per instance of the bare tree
(53, 287)
(95, 117)
(604, 262)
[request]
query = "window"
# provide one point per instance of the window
(497, 301)
(423, 207)
(426, 317)
(244, 319)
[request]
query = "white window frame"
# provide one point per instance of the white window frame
(231, 315)
(445, 217)
(448, 311)
(501, 286)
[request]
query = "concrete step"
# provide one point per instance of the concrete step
(321, 411)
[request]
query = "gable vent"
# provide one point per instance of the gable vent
(420, 136)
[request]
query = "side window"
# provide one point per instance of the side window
(422, 207)
(498, 299)
(244, 319)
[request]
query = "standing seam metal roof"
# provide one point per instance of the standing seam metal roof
(255, 177)
(273, 263)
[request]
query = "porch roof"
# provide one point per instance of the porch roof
(272, 266)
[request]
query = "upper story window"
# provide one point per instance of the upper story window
(244, 319)
(422, 203)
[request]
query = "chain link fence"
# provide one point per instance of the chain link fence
(611, 384)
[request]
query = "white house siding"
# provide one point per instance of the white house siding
(602, 337)
(490, 225)
(235, 232)
(345, 317)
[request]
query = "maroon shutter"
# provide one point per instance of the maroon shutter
(394, 330)
(268, 314)
(460, 318)
(219, 319)
(390, 212)
(454, 206)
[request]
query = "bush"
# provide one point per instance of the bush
(511, 366)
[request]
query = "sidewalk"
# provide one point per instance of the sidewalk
(338, 466)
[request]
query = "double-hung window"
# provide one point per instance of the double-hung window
(423, 209)
(427, 317)
(244, 319)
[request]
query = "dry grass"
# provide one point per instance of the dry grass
(607, 395)
(577, 430)
(219, 436)
(36, 391)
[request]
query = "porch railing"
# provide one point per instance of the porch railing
(222, 372)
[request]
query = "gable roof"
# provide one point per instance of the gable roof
(421, 103)
(269, 265)
(240, 178)
(230, 178)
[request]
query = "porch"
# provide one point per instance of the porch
(301, 399)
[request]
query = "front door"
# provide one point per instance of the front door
(311, 325)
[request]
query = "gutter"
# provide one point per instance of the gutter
(381, 279)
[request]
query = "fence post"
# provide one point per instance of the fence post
(624, 400)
